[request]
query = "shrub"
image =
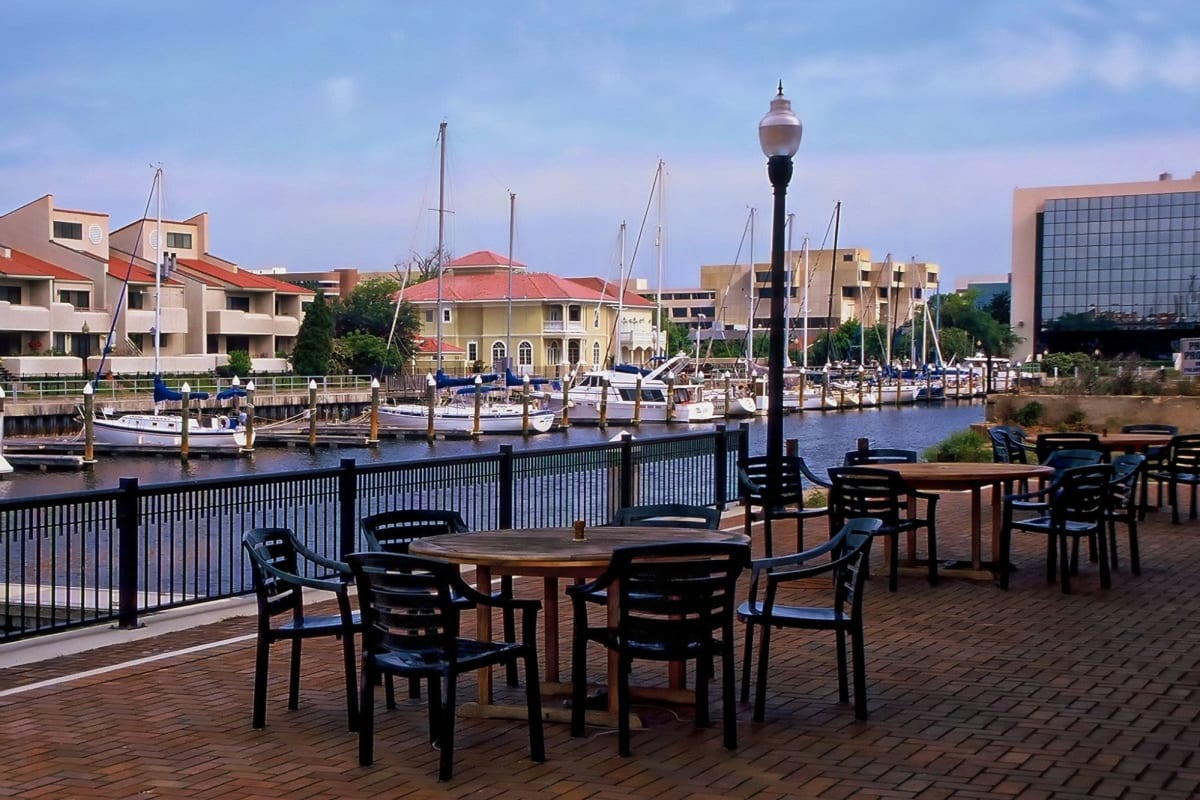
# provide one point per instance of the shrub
(1029, 415)
(815, 498)
(961, 446)
(239, 362)
(1075, 421)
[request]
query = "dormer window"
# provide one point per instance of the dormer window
(179, 241)
(68, 230)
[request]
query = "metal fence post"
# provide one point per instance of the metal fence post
(347, 505)
(506, 486)
(720, 467)
(626, 470)
(127, 554)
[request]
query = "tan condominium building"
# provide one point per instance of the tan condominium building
(74, 292)
(1107, 268)
(535, 322)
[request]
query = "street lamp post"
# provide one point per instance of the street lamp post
(779, 133)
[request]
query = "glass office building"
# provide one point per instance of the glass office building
(1115, 271)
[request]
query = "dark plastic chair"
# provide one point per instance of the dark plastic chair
(1076, 507)
(777, 491)
(676, 604)
(393, 532)
(1047, 443)
(1155, 460)
(392, 589)
(879, 455)
(844, 555)
(275, 557)
(1126, 505)
(883, 494)
(1002, 451)
(1179, 465)
(669, 515)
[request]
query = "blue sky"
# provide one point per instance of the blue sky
(307, 129)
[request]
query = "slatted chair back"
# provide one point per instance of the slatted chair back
(1069, 458)
(867, 492)
(776, 490)
(880, 455)
(669, 515)
(393, 531)
(273, 551)
(1082, 496)
(1001, 449)
(392, 590)
(1151, 427)
(1047, 443)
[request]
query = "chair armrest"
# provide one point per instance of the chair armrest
(340, 567)
(824, 483)
(320, 584)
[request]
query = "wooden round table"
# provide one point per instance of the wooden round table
(973, 477)
(1133, 442)
(553, 553)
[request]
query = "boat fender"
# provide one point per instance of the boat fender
(222, 422)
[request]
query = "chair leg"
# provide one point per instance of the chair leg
(1005, 554)
(760, 682)
(533, 700)
(351, 688)
(1064, 566)
(446, 728)
(366, 714)
(294, 677)
(414, 691)
(933, 556)
(435, 707)
(261, 659)
(704, 674)
(1105, 573)
(860, 673)
(728, 707)
(578, 681)
(767, 533)
(894, 573)
(623, 705)
(1135, 562)
(747, 656)
(510, 627)
(1173, 499)
(843, 683)
(1052, 558)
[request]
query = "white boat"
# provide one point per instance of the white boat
(158, 431)
(619, 391)
(165, 431)
(460, 418)
(739, 407)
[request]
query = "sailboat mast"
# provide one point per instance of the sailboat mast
(837, 223)
(887, 346)
(804, 344)
(787, 298)
(750, 319)
(660, 341)
(441, 235)
(512, 217)
(620, 295)
(159, 264)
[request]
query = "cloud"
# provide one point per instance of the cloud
(340, 94)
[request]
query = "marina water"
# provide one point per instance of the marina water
(823, 438)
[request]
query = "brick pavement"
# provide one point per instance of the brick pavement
(973, 692)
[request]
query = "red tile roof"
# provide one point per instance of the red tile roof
(24, 265)
(118, 267)
(429, 346)
(609, 289)
(536, 286)
(482, 258)
(238, 278)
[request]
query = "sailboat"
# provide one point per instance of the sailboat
(157, 431)
(455, 412)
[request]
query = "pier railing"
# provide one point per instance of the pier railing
(112, 555)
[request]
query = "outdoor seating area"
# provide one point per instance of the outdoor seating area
(969, 692)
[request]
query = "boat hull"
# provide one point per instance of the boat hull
(164, 432)
(454, 419)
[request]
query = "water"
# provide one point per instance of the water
(823, 440)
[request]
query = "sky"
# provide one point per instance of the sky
(308, 130)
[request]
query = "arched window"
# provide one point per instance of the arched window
(596, 356)
(525, 354)
(498, 353)
(573, 355)
(553, 353)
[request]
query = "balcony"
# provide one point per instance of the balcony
(560, 326)
(140, 320)
(243, 323)
(24, 318)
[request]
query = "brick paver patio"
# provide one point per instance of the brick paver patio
(974, 692)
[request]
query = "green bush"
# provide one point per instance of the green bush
(1029, 415)
(961, 446)
(239, 362)
(1074, 421)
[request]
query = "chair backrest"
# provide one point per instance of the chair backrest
(1069, 458)
(677, 594)
(669, 515)
(392, 588)
(1017, 431)
(1083, 495)
(880, 455)
(850, 568)
(394, 531)
(1001, 450)
(755, 476)
(1127, 472)
(272, 553)
(1151, 427)
(1047, 443)
(867, 492)
(1183, 453)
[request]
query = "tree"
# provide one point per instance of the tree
(239, 362)
(1000, 307)
(365, 353)
(370, 308)
(419, 268)
(314, 342)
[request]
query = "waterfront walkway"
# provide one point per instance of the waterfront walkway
(974, 692)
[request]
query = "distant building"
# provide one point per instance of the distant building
(986, 288)
(337, 282)
(1108, 267)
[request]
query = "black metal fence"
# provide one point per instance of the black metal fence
(112, 555)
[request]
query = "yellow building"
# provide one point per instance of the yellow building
(557, 324)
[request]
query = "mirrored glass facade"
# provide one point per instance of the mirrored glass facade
(1113, 266)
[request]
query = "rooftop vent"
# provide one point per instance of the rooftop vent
(5, 252)
(1164, 176)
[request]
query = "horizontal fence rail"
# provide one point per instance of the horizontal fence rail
(111, 555)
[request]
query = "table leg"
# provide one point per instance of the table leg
(483, 624)
(614, 663)
(998, 491)
(550, 619)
